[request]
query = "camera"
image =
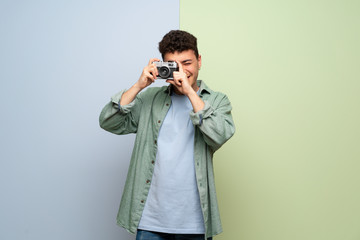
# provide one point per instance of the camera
(166, 69)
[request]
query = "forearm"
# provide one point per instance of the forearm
(130, 95)
(120, 120)
(215, 122)
(196, 102)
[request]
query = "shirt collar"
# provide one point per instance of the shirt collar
(203, 88)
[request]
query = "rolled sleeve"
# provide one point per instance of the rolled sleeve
(120, 119)
(215, 121)
(124, 109)
(197, 117)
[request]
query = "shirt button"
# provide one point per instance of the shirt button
(159, 121)
(147, 181)
(167, 104)
(155, 142)
(152, 161)
(142, 201)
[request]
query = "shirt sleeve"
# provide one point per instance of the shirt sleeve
(215, 122)
(119, 119)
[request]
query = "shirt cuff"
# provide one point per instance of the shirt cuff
(197, 118)
(116, 103)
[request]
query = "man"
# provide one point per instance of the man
(170, 190)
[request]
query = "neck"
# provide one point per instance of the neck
(176, 90)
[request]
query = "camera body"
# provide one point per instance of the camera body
(166, 69)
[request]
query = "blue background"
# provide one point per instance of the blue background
(61, 176)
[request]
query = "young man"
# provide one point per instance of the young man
(170, 189)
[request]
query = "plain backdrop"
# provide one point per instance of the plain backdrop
(61, 176)
(291, 71)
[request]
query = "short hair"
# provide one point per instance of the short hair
(178, 41)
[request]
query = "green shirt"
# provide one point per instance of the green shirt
(143, 116)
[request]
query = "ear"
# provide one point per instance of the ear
(199, 61)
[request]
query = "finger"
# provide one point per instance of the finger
(153, 71)
(156, 70)
(149, 77)
(153, 68)
(177, 80)
(178, 77)
(153, 60)
(179, 65)
(170, 81)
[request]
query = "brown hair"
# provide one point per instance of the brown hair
(178, 41)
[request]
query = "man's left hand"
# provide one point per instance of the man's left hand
(181, 81)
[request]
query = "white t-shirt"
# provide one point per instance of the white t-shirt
(173, 203)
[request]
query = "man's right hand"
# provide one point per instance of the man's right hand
(148, 74)
(147, 77)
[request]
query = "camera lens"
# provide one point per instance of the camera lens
(164, 72)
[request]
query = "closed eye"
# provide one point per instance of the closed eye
(186, 62)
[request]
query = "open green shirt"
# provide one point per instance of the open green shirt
(144, 116)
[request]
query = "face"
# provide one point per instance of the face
(189, 62)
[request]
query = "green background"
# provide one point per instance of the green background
(291, 71)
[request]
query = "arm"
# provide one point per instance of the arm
(183, 86)
(215, 121)
(147, 77)
(121, 115)
(212, 117)
(120, 119)
(196, 102)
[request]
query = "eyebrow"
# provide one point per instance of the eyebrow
(187, 60)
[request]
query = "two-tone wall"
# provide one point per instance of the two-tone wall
(290, 69)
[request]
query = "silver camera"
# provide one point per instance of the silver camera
(166, 69)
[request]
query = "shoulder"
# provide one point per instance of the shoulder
(209, 94)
